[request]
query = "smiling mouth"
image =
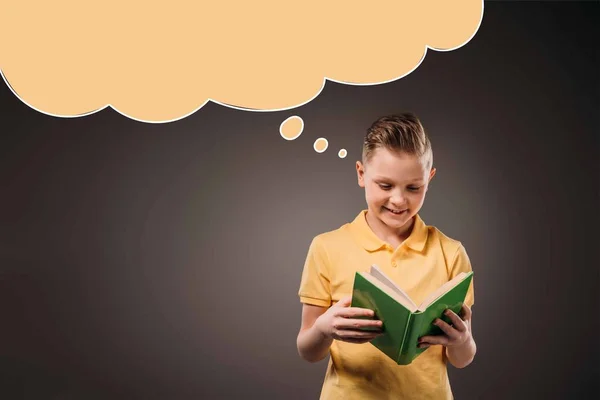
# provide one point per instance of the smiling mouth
(395, 212)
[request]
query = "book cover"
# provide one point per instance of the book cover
(403, 321)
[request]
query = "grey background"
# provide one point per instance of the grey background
(144, 261)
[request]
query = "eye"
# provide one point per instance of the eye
(384, 186)
(414, 188)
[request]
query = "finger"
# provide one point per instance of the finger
(447, 329)
(465, 312)
(458, 323)
(344, 334)
(346, 323)
(350, 312)
(434, 339)
(344, 302)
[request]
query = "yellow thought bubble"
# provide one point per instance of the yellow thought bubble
(161, 61)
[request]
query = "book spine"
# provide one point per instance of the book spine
(409, 349)
(406, 331)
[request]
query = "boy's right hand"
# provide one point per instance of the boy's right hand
(340, 322)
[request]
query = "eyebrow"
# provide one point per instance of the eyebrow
(383, 178)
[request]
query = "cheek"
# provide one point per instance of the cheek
(375, 195)
(417, 198)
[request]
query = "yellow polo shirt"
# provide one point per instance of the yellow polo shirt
(421, 264)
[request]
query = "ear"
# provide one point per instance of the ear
(431, 175)
(360, 173)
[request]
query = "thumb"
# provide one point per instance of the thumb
(345, 301)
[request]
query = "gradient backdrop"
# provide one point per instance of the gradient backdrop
(143, 261)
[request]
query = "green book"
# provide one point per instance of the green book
(403, 321)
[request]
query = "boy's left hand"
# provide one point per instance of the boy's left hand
(454, 335)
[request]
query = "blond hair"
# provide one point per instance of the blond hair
(402, 133)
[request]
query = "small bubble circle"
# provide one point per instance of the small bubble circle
(291, 128)
(320, 145)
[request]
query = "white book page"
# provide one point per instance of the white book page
(389, 291)
(442, 290)
(380, 276)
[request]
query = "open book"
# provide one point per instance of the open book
(403, 321)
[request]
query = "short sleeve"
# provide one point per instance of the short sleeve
(314, 285)
(461, 263)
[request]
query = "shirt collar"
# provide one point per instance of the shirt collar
(371, 242)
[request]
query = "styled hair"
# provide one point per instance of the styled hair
(402, 133)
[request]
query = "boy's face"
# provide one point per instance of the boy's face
(395, 185)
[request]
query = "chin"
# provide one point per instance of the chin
(396, 224)
(393, 221)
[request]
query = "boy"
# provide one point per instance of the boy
(395, 172)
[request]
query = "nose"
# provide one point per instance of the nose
(397, 198)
